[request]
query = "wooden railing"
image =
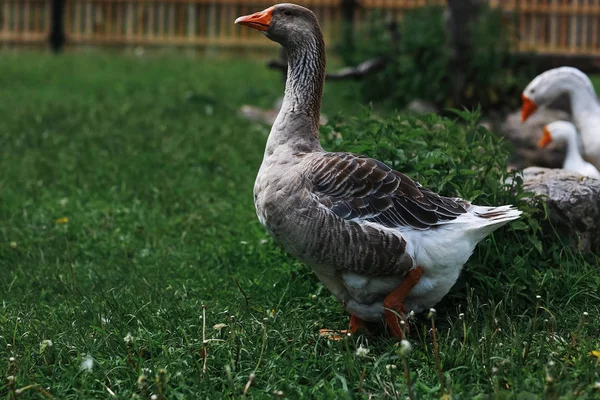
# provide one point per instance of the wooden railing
(546, 26)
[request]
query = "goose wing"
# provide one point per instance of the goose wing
(360, 188)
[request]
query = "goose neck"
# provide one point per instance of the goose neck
(297, 124)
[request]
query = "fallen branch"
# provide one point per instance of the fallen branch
(360, 71)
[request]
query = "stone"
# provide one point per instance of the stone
(573, 203)
(422, 107)
(267, 117)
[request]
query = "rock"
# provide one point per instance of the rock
(573, 203)
(422, 107)
(524, 138)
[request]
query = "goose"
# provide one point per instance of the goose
(584, 104)
(380, 242)
(563, 131)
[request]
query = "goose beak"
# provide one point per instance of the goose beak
(260, 21)
(546, 138)
(529, 107)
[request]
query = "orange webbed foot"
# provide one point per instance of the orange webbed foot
(393, 304)
(357, 323)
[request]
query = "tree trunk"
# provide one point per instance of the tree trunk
(462, 18)
(57, 33)
(348, 8)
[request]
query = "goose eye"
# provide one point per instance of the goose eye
(532, 91)
(286, 12)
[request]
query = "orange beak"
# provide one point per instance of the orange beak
(529, 107)
(260, 21)
(546, 139)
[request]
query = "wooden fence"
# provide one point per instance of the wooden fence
(547, 26)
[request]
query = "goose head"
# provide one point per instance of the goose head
(557, 131)
(286, 24)
(551, 84)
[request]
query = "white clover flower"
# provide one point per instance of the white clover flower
(128, 339)
(596, 386)
(362, 351)
(314, 296)
(391, 367)
(585, 314)
(461, 316)
(220, 326)
(538, 297)
(45, 344)
(431, 313)
(87, 364)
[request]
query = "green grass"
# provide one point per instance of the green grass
(149, 162)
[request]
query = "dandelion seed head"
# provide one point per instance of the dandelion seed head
(154, 397)
(314, 296)
(431, 313)
(585, 314)
(596, 386)
(538, 297)
(405, 348)
(11, 360)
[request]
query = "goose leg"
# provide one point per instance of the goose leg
(357, 323)
(393, 304)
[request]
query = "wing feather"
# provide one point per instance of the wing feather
(360, 188)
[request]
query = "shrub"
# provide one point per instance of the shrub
(457, 157)
(419, 64)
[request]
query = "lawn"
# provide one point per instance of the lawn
(126, 214)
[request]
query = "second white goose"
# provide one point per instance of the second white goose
(563, 131)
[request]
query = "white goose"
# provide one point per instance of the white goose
(584, 104)
(380, 242)
(563, 131)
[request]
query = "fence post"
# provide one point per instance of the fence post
(57, 32)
